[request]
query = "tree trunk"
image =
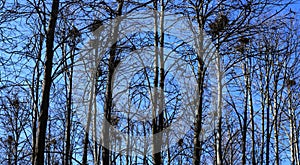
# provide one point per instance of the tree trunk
(253, 154)
(35, 96)
(219, 107)
(268, 104)
(276, 129)
(109, 87)
(88, 124)
(96, 148)
(156, 156)
(43, 118)
(262, 91)
(201, 73)
(291, 120)
(89, 118)
(161, 109)
(244, 131)
(69, 110)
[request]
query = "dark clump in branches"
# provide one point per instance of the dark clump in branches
(95, 25)
(74, 32)
(290, 83)
(74, 35)
(243, 42)
(218, 25)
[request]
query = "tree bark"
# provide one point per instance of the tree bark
(291, 120)
(219, 107)
(155, 127)
(88, 123)
(200, 82)
(161, 109)
(109, 86)
(276, 123)
(244, 131)
(95, 135)
(35, 95)
(268, 104)
(69, 110)
(253, 154)
(43, 118)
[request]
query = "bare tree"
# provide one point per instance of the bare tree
(43, 117)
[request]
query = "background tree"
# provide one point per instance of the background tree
(257, 42)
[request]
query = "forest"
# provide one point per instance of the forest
(128, 82)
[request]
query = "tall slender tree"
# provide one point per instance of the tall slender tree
(43, 117)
